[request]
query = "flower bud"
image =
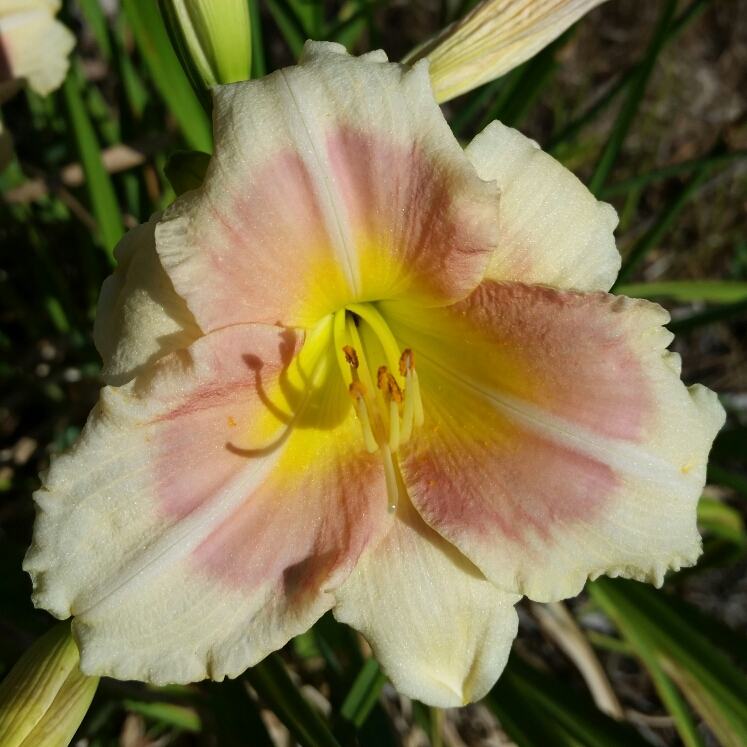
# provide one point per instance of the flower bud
(45, 696)
(495, 37)
(212, 38)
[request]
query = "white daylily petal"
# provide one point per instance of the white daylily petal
(440, 630)
(139, 318)
(333, 181)
(559, 442)
(493, 38)
(192, 529)
(553, 231)
(33, 44)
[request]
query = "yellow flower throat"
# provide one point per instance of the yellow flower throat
(387, 401)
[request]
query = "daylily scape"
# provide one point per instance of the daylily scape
(363, 369)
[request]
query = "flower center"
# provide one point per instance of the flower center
(386, 396)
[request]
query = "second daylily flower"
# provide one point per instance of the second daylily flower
(33, 46)
(361, 369)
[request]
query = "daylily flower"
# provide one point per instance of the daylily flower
(494, 37)
(364, 370)
(33, 46)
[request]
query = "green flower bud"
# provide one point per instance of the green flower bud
(212, 37)
(45, 696)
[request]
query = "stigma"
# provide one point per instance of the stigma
(386, 397)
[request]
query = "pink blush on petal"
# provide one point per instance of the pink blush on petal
(293, 509)
(410, 214)
(296, 530)
(518, 486)
(569, 354)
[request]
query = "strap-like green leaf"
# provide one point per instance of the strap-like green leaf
(664, 222)
(573, 128)
(259, 67)
(656, 629)
(289, 25)
(574, 711)
(721, 476)
(363, 694)
(164, 67)
(678, 168)
(522, 720)
(633, 99)
(98, 182)
(273, 684)
(686, 291)
(717, 632)
(238, 722)
(167, 713)
(709, 316)
(722, 520)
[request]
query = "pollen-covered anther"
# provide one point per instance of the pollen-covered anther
(350, 356)
(388, 384)
(406, 362)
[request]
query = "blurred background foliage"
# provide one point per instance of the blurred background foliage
(647, 103)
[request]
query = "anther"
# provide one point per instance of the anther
(389, 386)
(350, 356)
(406, 362)
(381, 378)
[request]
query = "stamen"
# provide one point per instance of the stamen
(390, 478)
(406, 361)
(369, 314)
(389, 386)
(358, 389)
(393, 425)
(419, 414)
(350, 356)
(375, 425)
(378, 394)
(358, 392)
(352, 330)
(381, 379)
(412, 395)
(340, 344)
(409, 409)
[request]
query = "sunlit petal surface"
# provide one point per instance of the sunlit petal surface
(493, 38)
(559, 441)
(441, 631)
(361, 369)
(552, 229)
(140, 318)
(334, 181)
(211, 520)
(33, 44)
